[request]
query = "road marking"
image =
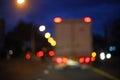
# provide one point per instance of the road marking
(103, 73)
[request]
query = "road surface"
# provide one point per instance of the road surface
(20, 69)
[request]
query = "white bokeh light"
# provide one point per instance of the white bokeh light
(42, 28)
(11, 52)
(108, 55)
(102, 55)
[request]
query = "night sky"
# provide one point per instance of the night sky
(44, 11)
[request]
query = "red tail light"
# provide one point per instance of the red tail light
(64, 60)
(92, 59)
(82, 60)
(58, 60)
(87, 60)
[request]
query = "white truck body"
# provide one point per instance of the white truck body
(73, 38)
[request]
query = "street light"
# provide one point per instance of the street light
(20, 1)
(21, 4)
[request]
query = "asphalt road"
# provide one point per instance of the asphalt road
(16, 69)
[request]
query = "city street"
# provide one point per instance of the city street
(40, 70)
(40, 37)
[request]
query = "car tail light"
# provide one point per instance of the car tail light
(92, 59)
(64, 60)
(87, 60)
(82, 60)
(59, 60)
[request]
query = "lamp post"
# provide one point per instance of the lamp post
(21, 3)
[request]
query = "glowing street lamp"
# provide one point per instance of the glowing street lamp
(21, 4)
(20, 1)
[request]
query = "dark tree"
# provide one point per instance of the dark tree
(112, 30)
(23, 33)
(115, 33)
(99, 43)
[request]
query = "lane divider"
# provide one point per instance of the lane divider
(103, 73)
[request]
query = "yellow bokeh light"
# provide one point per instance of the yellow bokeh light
(47, 35)
(94, 54)
(53, 43)
(50, 39)
(20, 1)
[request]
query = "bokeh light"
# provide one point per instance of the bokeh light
(42, 28)
(58, 60)
(40, 54)
(51, 53)
(20, 1)
(28, 56)
(92, 59)
(57, 20)
(108, 55)
(81, 60)
(102, 55)
(50, 39)
(65, 59)
(94, 54)
(53, 43)
(11, 52)
(47, 35)
(87, 19)
(87, 60)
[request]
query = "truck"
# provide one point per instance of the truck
(73, 41)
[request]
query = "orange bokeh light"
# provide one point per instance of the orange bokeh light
(57, 20)
(87, 19)
(92, 58)
(81, 60)
(65, 60)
